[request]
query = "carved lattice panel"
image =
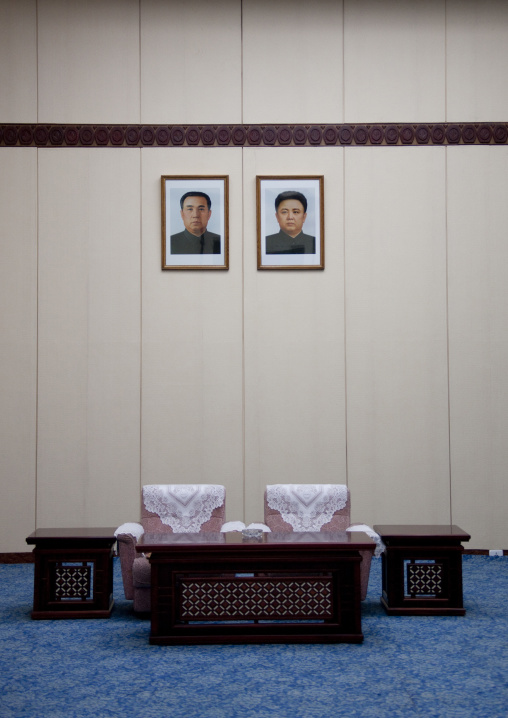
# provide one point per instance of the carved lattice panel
(424, 579)
(257, 598)
(73, 582)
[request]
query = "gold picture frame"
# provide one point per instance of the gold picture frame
(195, 222)
(290, 222)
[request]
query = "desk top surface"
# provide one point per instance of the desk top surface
(66, 534)
(421, 530)
(164, 541)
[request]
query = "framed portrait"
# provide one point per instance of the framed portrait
(290, 222)
(195, 218)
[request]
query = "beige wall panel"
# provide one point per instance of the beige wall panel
(294, 343)
(192, 417)
(18, 345)
(89, 337)
(476, 60)
(191, 65)
(89, 61)
(292, 61)
(18, 61)
(478, 289)
(394, 61)
(396, 348)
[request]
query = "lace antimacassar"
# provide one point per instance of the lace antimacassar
(306, 507)
(184, 507)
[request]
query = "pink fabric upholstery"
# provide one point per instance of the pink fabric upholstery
(340, 521)
(152, 523)
(127, 554)
(136, 570)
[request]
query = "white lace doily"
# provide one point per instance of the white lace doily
(363, 528)
(184, 507)
(306, 507)
(133, 529)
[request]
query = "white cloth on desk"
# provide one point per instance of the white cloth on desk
(240, 526)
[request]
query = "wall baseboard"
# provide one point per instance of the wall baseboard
(16, 557)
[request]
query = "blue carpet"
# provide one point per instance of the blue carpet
(433, 667)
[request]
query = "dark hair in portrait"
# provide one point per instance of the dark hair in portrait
(196, 194)
(291, 194)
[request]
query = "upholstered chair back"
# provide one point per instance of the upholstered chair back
(173, 508)
(183, 508)
(313, 507)
(307, 507)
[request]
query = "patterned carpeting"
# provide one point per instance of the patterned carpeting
(430, 667)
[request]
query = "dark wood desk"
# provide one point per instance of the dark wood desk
(287, 588)
(422, 570)
(73, 572)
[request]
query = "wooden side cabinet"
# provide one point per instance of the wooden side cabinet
(73, 575)
(422, 570)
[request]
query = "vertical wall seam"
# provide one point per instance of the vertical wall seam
(448, 339)
(36, 457)
(241, 66)
(140, 265)
(343, 61)
(446, 61)
(345, 311)
(139, 64)
(36, 408)
(447, 268)
(140, 320)
(244, 438)
(344, 239)
(37, 58)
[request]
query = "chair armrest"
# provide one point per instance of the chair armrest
(127, 554)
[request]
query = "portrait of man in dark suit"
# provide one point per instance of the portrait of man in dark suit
(195, 211)
(290, 213)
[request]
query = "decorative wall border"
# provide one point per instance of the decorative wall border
(50, 135)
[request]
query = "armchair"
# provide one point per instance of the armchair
(313, 507)
(172, 508)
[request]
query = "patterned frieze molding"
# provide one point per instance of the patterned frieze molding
(44, 135)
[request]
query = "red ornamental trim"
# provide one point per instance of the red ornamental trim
(162, 136)
(87, 136)
(41, 135)
(254, 136)
(314, 135)
(239, 135)
(25, 136)
(391, 134)
(376, 135)
(102, 136)
(284, 135)
(330, 135)
(208, 136)
(346, 134)
(363, 135)
(117, 136)
(299, 135)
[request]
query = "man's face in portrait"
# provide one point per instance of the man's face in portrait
(291, 216)
(195, 214)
